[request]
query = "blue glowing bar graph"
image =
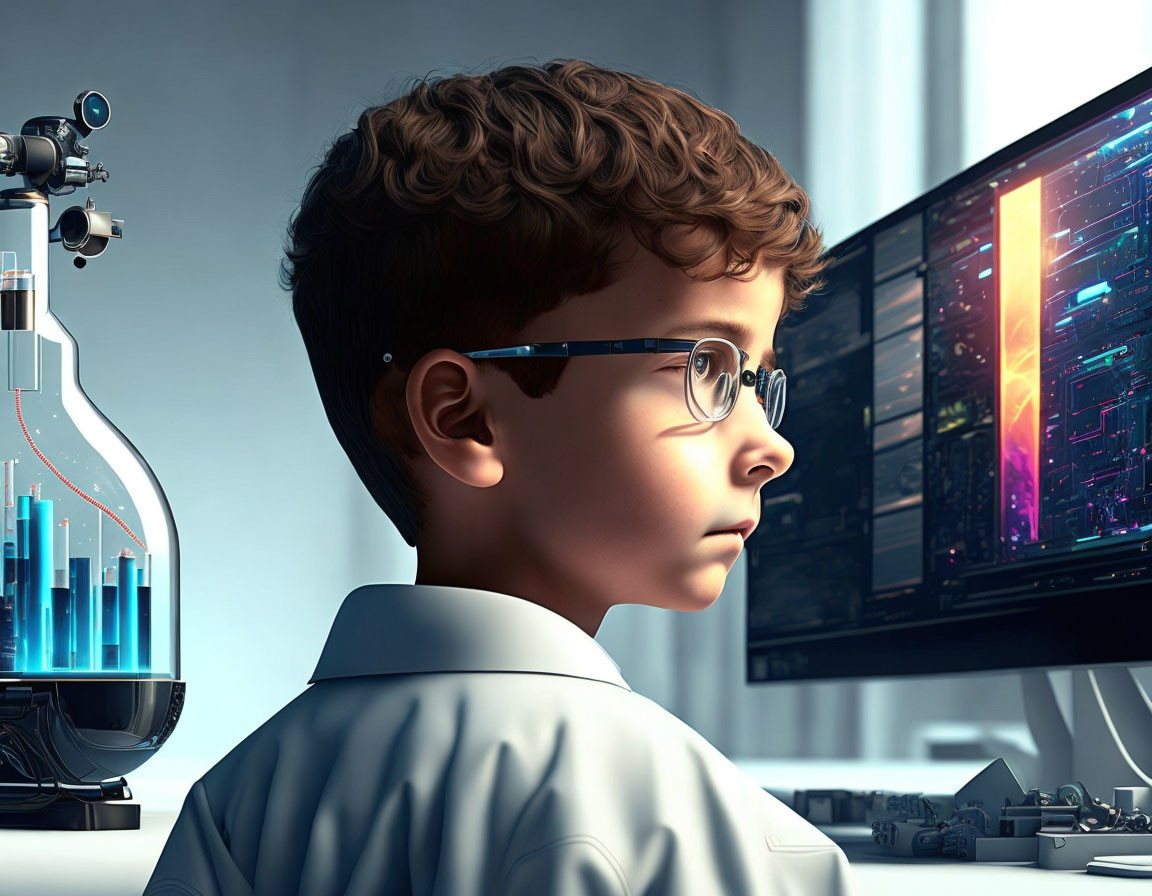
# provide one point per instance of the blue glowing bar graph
(60, 613)
(110, 625)
(39, 586)
(126, 610)
(80, 597)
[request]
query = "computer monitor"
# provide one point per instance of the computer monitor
(970, 400)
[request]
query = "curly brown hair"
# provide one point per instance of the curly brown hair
(455, 214)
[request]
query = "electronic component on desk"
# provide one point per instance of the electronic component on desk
(832, 806)
(1121, 866)
(992, 819)
(1063, 850)
(865, 807)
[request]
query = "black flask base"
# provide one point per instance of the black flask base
(66, 744)
(67, 814)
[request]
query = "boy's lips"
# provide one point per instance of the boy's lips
(743, 529)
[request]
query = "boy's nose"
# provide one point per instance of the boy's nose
(761, 446)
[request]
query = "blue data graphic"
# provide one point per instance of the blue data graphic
(77, 576)
(1040, 298)
(55, 617)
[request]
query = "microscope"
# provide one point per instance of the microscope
(89, 616)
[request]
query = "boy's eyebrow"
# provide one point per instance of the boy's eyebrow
(736, 332)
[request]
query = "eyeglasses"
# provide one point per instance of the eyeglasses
(712, 377)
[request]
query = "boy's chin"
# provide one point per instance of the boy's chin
(691, 601)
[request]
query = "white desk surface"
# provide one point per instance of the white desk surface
(119, 863)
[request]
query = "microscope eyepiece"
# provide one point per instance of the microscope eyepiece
(85, 230)
(92, 110)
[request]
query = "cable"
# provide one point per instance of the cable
(61, 477)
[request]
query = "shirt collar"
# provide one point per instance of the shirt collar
(401, 629)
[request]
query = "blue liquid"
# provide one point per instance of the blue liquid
(144, 633)
(23, 509)
(39, 585)
(126, 600)
(8, 633)
(86, 626)
(110, 627)
(61, 629)
(80, 597)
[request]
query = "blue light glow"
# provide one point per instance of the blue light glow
(1091, 292)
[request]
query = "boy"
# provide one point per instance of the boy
(466, 734)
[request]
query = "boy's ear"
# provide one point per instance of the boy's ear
(450, 406)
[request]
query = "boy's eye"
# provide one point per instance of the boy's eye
(703, 365)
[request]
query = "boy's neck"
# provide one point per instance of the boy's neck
(584, 613)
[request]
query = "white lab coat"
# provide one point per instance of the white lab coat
(458, 742)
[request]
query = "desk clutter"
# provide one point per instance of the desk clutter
(993, 819)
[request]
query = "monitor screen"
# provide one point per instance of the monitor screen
(969, 402)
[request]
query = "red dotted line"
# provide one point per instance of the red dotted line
(48, 463)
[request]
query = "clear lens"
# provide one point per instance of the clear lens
(713, 368)
(713, 378)
(774, 404)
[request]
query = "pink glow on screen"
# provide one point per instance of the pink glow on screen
(1018, 252)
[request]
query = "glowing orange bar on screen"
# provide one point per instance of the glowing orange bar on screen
(1018, 252)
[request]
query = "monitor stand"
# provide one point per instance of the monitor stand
(1110, 741)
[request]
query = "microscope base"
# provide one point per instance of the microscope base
(75, 815)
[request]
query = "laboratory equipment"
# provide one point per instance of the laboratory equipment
(89, 619)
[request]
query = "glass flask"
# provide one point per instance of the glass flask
(89, 621)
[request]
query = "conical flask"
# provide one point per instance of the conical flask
(89, 621)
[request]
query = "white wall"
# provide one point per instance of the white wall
(1029, 62)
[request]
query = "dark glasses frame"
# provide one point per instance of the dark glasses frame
(763, 379)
